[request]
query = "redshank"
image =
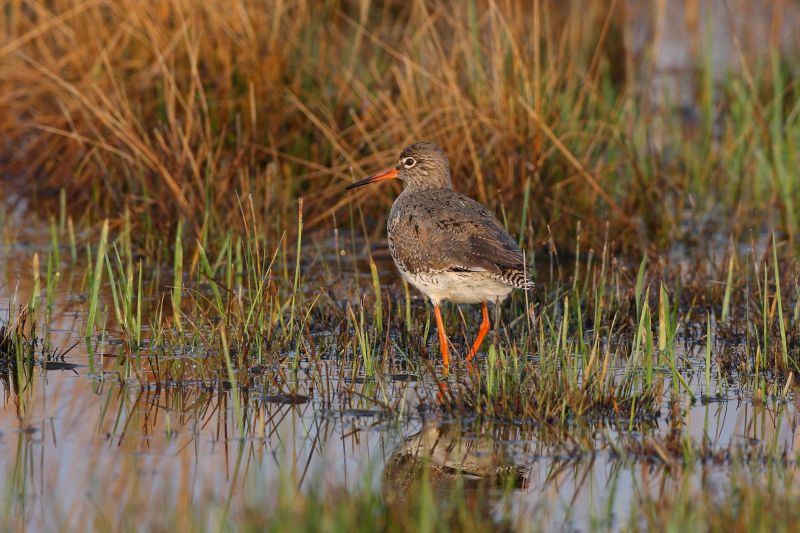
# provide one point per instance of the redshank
(446, 244)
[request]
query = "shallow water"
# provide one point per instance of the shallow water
(85, 434)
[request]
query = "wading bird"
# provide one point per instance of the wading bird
(446, 244)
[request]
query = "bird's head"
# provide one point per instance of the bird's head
(422, 165)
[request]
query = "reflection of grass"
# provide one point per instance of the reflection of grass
(415, 495)
(18, 349)
(751, 499)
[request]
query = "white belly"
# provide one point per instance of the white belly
(459, 287)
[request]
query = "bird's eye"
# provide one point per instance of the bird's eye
(409, 162)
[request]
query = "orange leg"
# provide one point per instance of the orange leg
(442, 338)
(484, 329)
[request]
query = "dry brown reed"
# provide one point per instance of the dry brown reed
(179, 109)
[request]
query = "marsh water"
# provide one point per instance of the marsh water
(83, 432)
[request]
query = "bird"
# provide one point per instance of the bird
(447, 245)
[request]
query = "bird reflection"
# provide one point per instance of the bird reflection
(451, 458)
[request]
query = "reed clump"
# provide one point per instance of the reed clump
(176, 110)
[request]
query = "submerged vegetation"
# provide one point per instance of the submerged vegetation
(218, 323)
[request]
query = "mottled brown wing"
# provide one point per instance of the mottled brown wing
(487, 245)
(444, 230)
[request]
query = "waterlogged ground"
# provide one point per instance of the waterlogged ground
(85, 432)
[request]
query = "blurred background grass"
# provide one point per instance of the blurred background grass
(653, 121)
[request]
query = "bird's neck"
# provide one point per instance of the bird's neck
(412, 187)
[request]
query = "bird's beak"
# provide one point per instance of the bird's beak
(388, 174)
